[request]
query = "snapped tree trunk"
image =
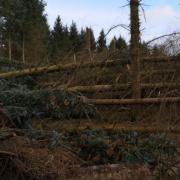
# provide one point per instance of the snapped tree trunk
(134, 55)
(134, 48)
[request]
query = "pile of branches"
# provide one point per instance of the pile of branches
(100, 147)
(90, 147)
(23, 104)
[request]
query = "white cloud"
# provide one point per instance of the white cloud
(161, 19)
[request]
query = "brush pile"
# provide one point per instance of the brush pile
(41, 155)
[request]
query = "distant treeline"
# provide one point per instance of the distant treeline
(26, 36)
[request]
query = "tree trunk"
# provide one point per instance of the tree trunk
(117, 87)
(10, 45)
(134, 48)
(140, 101)
(58, 67)
(134, 55)
(23, 48)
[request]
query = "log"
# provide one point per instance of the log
(104, 88)
(160, 59)
(157, 72)
(124, 129)
(144, 101)
(58, 67)
(70, 66)
(98, 88)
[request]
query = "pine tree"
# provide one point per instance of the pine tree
(92, 40)
(56, 39)
(121, 43)
(101, 43)
(82, 39)
(74, 38)
(26, 29)
(112, 45)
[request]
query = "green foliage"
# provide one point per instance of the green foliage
(24, 28)
(23, 104)
(103, 147)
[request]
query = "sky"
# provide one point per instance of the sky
(162, 16)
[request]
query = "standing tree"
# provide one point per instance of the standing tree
(134, 54)
(74, 38)
(112, 46)
(56, 39)
(25, 28)
(101, 43)
(134, 47)
(121, 43)
(92, 40)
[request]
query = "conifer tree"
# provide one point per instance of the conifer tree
(56, 39)
(74, 38)
(121, 43)
(26, 29)
(101, 43)
(92, 40)
(112, 45)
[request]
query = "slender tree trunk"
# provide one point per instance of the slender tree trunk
(134, 56)
(23, 48)
(10, 47)
(74, 56)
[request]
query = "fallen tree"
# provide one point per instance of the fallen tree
(103, 88)
(132, 101)
(58, 67)
(71, 66)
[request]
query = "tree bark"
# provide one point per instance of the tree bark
(134, 55)
(134, 47)
(140, 101)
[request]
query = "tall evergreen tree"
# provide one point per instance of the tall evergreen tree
(101, 43)
(25, 29)
(121, 43)
(112, 45)
(56, 41)
(92, 39)
(82, 38)
(74, 38)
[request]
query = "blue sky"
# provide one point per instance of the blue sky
(162, 16)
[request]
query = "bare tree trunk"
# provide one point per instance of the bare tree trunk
(134, 53)
(23, 48)
(88, 43)
(134, 48)
(132, 102)
(10, 48)
(58, 67)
